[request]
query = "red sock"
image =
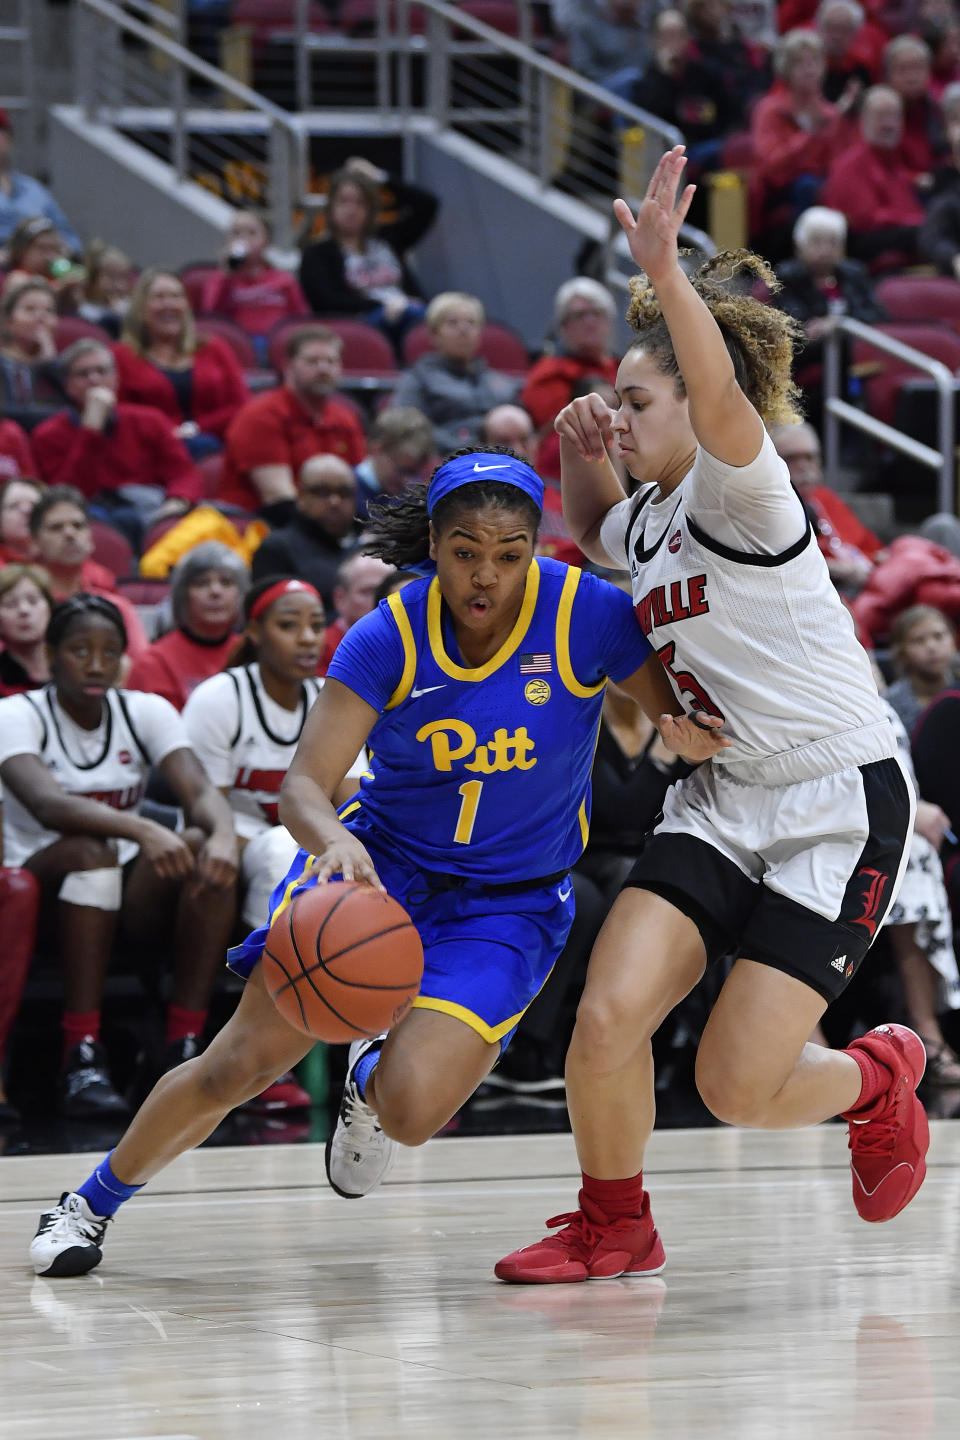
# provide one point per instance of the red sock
(875, 1079)
(616, 1198)
(181, 1023)
(79, 1026)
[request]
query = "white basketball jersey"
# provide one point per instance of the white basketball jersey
(760, 638)
(109, 764)
(245, 741)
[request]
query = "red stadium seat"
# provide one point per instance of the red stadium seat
(366, 353)
(358, 18)
(211, 469)
(140, 591)
(885, 374)
(112, 549)
(500, 15)
(195, 279)
(921, 298)
(238, 340)
(74, 327)
(500, 346)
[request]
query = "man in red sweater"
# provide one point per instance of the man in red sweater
(274, 433)
(874, 187)
(849, 547)
(112, 451)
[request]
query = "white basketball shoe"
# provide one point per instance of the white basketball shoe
(358, 1153)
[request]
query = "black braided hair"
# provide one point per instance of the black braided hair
(66, 612)
(401, 529)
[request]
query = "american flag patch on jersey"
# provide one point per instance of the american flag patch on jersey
(536, 664)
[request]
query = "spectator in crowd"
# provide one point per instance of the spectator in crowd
(249, 290)
(359, 267)
(583, 318)
(796, 132)
(942, 38)
(678, 87)
(874, 187)
(16, 456)
(73, 763)
(28, 371)
(849, 51)
(206, 593)
(162, 361)
(920, 930)
(37, 251)
(354, 595)
(452, 384)
(512, 426)
(940, 232)
(244, 725)
(17, 498)
(400, 444)
(109, 285)
(124, 458)
(923, 647)
(819, 284)
(603, 36)
(63, 545)
(323, 528)
(906, 67)
(740, 65)
(277, 431)
(26, 604)
(849, 547)
(22, 197)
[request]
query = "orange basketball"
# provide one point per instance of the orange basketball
(343, 962)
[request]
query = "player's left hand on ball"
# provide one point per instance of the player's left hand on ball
(693, 740)
(346, 856)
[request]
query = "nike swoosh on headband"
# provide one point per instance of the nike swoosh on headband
(481, 468)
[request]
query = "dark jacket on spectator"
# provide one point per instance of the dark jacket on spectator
(802, 299)
(306, 550)
(454, 397)
(322, 270)
(940, 232)
(693, 99)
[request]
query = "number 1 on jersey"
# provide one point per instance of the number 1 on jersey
(470, 790)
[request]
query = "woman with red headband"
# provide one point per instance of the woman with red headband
(244, 725)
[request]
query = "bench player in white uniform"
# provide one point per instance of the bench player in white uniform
(74, 759)
(244, 726)
(789, 845)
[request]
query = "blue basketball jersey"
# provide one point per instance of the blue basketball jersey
(485, 772)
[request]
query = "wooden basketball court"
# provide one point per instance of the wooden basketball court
(239, 1299)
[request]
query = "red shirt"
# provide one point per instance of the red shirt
(218, 390)
(844, 523)
(335, 633)
(873, 188)
(137, 448)
(16, 457)
(276, 429)
(255, 302)
(174, 665)
(552, 380)
(784, 149)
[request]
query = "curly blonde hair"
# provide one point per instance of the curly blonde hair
(759, 338)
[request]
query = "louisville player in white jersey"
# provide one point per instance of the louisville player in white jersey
(786, 848)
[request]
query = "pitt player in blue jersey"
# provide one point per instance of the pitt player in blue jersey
(478, 690)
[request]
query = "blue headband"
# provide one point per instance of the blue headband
(483, 464)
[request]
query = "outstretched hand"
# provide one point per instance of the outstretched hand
(693, 740)
(652, 235)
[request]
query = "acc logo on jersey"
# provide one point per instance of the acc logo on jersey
(675, 541)
(125, 757)
(536, 692)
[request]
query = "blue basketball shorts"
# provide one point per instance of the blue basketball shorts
(486, 956)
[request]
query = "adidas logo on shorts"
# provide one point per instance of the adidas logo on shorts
(840, 963)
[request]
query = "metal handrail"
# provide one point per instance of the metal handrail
(836, 410)
(287, 147)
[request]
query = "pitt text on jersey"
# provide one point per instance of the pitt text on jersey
(665, 604)
(503, 752)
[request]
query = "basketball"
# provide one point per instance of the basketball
(343, 962)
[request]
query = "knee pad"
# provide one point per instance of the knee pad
(266, 859)
(97, 889)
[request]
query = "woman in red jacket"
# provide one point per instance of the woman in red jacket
(163, 362)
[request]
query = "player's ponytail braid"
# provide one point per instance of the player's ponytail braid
(400, 529)
(759, 338)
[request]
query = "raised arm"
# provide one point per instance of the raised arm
(335, 732)
(725, 423)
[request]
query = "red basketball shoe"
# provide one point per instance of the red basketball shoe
(889, 1140)
(589, 1247)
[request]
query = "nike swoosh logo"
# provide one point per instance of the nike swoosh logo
(415, 694)
(565, 894)
(481, 468)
